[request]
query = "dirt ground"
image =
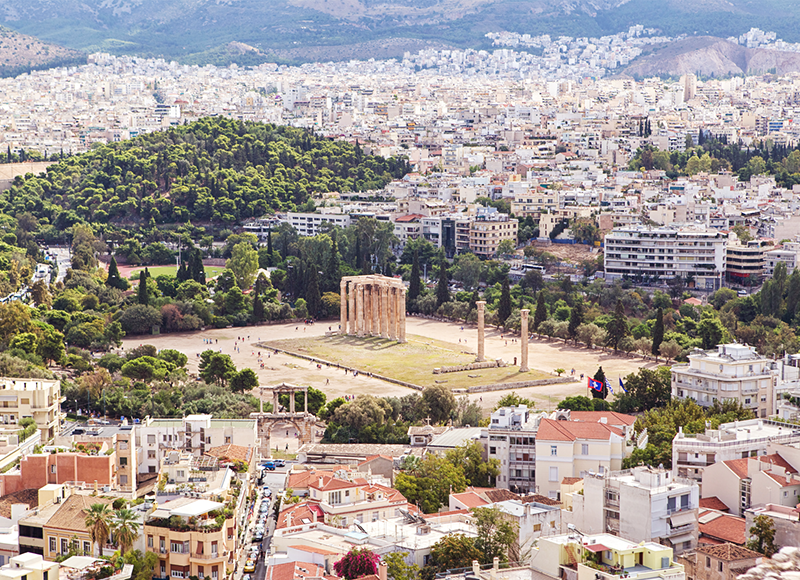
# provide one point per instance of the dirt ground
(543, 355)
(573, 253)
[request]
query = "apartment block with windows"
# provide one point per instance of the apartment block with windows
(511, 440)
(691, 252)
(488, 229)
(189, 540)
(38, 399)
(193, 433)
(29, 567)
(643, 503)
(732, 371)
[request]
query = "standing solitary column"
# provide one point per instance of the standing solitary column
(384, 311)
(481, 305)
(343, 307)
(401, 302)
(392, 315)
(523, 364)
(351, 314)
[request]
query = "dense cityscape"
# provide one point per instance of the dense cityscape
(465, 314)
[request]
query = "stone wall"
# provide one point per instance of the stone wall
(487, 364)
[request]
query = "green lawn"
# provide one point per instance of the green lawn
(211, 271)
(412, 362)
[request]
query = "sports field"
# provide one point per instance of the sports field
(133, 273)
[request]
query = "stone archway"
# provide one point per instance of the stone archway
(304, 422)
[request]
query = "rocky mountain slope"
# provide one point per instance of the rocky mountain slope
(21, 53)
(710, 56)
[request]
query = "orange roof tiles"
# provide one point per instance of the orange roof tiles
(231, 452)
(713, 503)
(728, 552)
(611, 417)
(726, 528)
(550, 430)
(296, 571)
(470, 499)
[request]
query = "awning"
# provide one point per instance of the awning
(682, 518)
(681, 539)
(596, 548)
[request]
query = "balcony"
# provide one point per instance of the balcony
(211, 556)
(679, 530)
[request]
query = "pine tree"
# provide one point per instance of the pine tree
(142, 296)
(658, 333)
(504, 306)
(442, 288)
(541, 311)
(113, 280)
(600, 376)
(617, 327)
(414, 284)
(313, 299)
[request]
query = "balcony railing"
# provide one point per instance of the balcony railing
(679, 530)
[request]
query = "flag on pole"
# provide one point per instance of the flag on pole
(595, 385)
(622, 385)
(608, 386)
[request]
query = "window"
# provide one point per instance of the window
(179, 473)
(123, 479)
(671, 504)
(554, 474)
(151, 439)
(151, 454)
(553, 450)
(335, 497)
(376, 516)
(553, 525)
(584, 449)
(149, 541)
(161, 546)
(64, 547)
(123, 461)
(176, 547)
(52, 469)
(151, 469)
(708, 562)
(719, 566)
(163, 569)
(87, 548)
(200, 572)
(176, 573)
(492, 450)
(685, 501)
(537, 527)
(227, 439)
(52, 544)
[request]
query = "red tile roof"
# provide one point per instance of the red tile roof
(550, 430)
(728, 552)
(470, 499)
(713, 503)
(571, 480)
(726, 528)
(231, 452)
(294, 515)
(332, 483)
(314, 550)
(739, 466)
(611, 417)
(295, 571)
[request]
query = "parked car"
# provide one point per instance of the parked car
(250, 566)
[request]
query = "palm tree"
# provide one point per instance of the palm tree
(98, 520)
(125, 529)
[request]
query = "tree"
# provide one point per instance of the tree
(600, 376)
(455, 551)
(658, 333)
(216, 367)
(51, 345)
(496, 534)
(710, 330)
(244, 380)
(514, 400)
(114, 280)
(442, 287)
(98, 522)
(398, 569)
(506, 247)
(414, 283)
(440, 403)
(258, 309)
(670, 349)
(140, 319)
(575, 320)
(125, 528)
(356, 563)
(504, 306)
(40, 293)
(617, 327)
(244, 264)
(469, 457)
(762, 536)
(313, 298)
(649, 389)
(541, 312)
(430, 487)
(142, 294)
(576, 403)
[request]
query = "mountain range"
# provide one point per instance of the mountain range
(202, 31)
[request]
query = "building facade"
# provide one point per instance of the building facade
(38, 399)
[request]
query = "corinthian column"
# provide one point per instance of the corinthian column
(481, 305)
(343, 306)
(401, 320)
(523, 360)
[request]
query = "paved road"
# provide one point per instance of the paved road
(275, 480)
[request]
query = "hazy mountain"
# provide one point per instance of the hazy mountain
(21, 53)
(202, 30)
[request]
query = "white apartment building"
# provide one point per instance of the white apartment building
(511, 439)
(732, 371)
(641, 504)
(38, 399)
(193, 433)
(788, 254)
(666, 252)
(692, 454)
(308, 224)
(488, 229)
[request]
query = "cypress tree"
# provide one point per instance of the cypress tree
(442, 289)
(541, 311)
(258, 309)
(142, 290)
(600, 376)
(658, 333)
(617, 327)
(504, 306)
(198, 272)
(415, 284)
(269, 247)
(575, 320)
(182, 274)
(113, 280)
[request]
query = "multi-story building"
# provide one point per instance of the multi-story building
(308, 224)
(38, 399)
(643, 503)
(719, 562)
(66, 530)
(743, 261)
(788, 254)
(666, 252)
(191, 537)
(601, 556)
(784, 518)
(489, 229)
(732, 371)
(691, 454)
(511, 440)
(29, 567)
(193, 433)
(575, 449)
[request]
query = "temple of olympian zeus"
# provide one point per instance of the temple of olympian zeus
(373, 306)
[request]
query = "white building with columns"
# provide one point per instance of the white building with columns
(373, 306)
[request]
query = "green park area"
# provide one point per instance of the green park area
(412, 362)
(155, 271)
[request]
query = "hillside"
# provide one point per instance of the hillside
(213, 171)
(201, 31)
(710, 56)
(21, 53)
